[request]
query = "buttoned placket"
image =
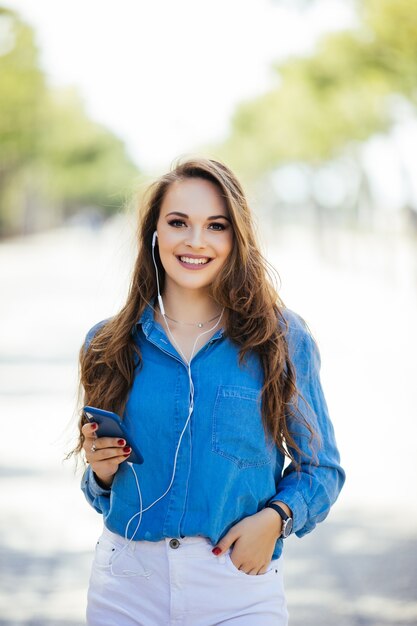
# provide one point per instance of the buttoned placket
(154, 334)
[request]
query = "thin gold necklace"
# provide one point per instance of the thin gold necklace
(197, 324)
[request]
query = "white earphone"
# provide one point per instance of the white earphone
(128, 573)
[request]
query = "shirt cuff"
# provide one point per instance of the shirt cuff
(92, 485)
(295, 501)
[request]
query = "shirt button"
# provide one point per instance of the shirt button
(174, 543)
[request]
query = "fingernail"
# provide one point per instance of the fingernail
(94, 426)
(216, 551)
(127, 449)
(121, 442)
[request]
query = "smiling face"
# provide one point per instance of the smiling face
(195, 235)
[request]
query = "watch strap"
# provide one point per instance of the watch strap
(279, 510)
(286, 519)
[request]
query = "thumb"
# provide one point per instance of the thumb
(225, 542)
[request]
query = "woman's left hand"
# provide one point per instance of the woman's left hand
(254, 539)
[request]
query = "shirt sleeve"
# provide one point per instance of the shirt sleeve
(311, 490)
(91, 333)
(98, 497)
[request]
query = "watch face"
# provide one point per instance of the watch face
(287, 527)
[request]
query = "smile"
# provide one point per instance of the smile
(193, 263)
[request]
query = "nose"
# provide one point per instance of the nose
(195, 237)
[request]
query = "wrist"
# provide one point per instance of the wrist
(284, 513)
(274, 521)
(104, 483)
(283, 506)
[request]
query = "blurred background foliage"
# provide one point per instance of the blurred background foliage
(338, 95)
(54, 160)
(305, 135)
(324, 107)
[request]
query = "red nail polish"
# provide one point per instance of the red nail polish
(121, 442)
(94, 426)
(127, 449)
(216, 551)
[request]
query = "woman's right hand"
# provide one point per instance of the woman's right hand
(104, 454)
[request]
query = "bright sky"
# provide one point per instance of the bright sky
(166, 76)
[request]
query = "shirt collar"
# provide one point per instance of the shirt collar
(147, 319)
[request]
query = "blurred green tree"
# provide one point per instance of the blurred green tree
(54, 160)
(22, 93)
(337, 97)
(84, 164)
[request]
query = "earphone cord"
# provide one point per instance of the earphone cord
(190, 410)
(128, 573)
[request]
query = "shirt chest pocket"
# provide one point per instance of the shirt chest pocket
(237, 430)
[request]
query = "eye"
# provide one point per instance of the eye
(217, 226)
(176, 223)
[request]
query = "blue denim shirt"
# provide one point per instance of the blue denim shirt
(226, 468)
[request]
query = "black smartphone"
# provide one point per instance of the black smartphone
(110, 425)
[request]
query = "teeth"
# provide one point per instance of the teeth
(186, 259)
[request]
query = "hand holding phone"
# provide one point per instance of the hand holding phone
(107, 449)
(110, 425)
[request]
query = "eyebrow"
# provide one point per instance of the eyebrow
(212, 217)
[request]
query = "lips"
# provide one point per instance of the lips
(193, 262)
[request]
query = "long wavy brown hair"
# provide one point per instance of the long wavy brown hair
(253, 318)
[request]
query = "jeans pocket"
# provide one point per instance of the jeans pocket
(272, 570)
(104, 552)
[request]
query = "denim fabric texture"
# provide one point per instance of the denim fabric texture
(227, 468)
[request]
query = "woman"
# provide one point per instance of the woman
(218, 384)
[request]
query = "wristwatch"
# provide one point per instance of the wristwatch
(286, 519)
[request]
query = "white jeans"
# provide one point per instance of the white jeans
(179, 582)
